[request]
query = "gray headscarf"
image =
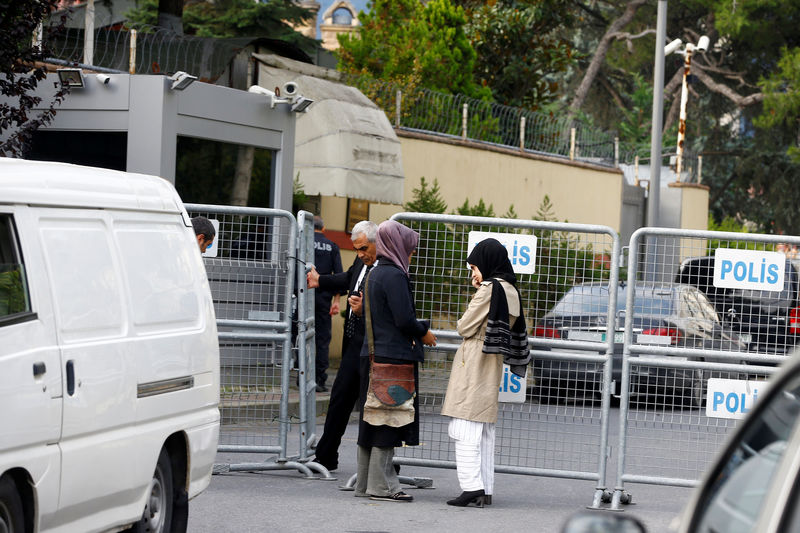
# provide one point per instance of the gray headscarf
(396, 242)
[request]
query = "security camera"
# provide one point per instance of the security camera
(257, 89)
(672, 47)
(290, 88)
(702, 44)
(103, 78)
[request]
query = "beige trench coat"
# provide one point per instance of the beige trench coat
(475, 377)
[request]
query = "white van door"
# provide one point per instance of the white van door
(98, 464)
(30, 369)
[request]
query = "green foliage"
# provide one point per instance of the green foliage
(782, 97)
(403, 41)
(477, 210)
(426, 199)
(22, 72)
(519, 49)
(730, 224)
(236, 18)
(298, 194)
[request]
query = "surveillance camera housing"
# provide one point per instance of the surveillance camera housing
(702, 44)
(672, 47)
(290, 88)
(103, 78)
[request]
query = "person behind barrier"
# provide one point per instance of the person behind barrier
(493, 328)
(327, 260)
(344, 392)
(395, 337)
(204, 232)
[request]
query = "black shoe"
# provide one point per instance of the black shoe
(329, 465)
(396, 497)
(478, 497)
(322, 388)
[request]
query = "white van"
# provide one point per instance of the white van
(109, 360)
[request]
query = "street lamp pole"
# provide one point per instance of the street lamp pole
(654, 194)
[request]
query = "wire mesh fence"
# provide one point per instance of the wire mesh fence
(455, 115)
(709, 323)
(250, 278)
(541, 432)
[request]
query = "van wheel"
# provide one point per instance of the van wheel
(10, 507)
(157, 516)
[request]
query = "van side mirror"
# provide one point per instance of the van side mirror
(593, 521)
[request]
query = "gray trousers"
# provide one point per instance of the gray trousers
(375, 474)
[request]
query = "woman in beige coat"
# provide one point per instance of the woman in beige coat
(472, 391)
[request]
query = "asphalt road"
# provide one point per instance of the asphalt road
(287, 501)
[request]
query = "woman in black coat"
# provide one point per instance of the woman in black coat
(397, 339)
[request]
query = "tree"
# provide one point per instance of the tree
(19, 76)
(520, 52)
(404, 41)
(234, 18)
(426, 199)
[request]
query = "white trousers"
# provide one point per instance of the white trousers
(474, 454)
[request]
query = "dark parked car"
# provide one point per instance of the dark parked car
(768, 321)
(664, 314)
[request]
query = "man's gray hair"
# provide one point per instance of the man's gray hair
(366, 228)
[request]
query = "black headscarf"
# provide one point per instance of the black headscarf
(491, 258)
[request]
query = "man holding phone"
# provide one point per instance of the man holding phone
(344, 393)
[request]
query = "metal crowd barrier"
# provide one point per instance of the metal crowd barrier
(252, 270)
(554, 429)
(680, 399)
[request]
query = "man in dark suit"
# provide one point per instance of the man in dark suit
(344, 393)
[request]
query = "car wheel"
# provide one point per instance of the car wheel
(11, 511)
(157, 516)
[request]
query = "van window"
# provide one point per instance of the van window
(14, 299)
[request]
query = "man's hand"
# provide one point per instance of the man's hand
(335, 308)
(355, 303)
(429, 339)
(312, 278)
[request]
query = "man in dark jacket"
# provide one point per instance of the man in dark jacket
(326, 261)
(344, 393)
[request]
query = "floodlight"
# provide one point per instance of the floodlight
(71, 77)
(181, 80)
(301, 103)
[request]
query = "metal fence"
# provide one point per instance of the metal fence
(458, 116)
(144, 49)
(556, 429)
(686, 382)
(253, 273)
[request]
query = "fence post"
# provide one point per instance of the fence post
(88, 34)
(699, 169)
(636, 169)
(616, 152)
(464, 121)
(522, 133)
(397, 100)
(132, 55)
(572, 144)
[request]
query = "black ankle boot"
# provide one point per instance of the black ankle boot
(475, 496)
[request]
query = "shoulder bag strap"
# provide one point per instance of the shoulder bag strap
(368, 317)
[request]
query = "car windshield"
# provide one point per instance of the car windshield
(593, 300)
